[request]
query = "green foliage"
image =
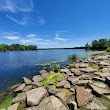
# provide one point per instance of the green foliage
(15, 47)
(73, 58)
(54, 67)
(100, 44)
(87, 46)
(52, 78)
(108, 49)
(6, 103)
(101, 66)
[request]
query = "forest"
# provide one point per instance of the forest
(17, 47)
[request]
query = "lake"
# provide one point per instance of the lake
(17, 64)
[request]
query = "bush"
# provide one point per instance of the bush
(108, 49)
(73, 58)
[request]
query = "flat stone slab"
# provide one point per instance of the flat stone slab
(34, 96)
(84, 77)
(104, 63)
(73, 80)
(27, 88)
(52, 90)
(99, 84)
(76, 72)
(104, 75)
(99, 91)
(108, 80)
(13, 107)
(98, 73)
(83, 82)
(97, 78)
(27, 81)
(20, 87)
(19, 98)
(61, 95)
(82, 96)
(63, 83)
(83, 65)
(66, 70)
(88, 70)
(96, 105)
(37, 78)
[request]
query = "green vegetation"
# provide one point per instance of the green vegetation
(6, 103)
(15, 47)
(87, 46)
(22, 106)
(73, 58)
(101, 66)
(99, 44)
(54, 67)
(52, 79)
(108, 49)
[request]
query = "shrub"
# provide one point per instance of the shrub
(108, 49)
(73, 58)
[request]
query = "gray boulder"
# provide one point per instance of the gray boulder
(20, 97)
(14, 106)
(27, 81)
(27, 88)
(34, 96)
(20, 87)
(76, 72)
(37, 78)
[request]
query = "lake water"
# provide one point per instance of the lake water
(15, 65)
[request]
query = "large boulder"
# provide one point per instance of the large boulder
(20, 97)
(76, 72)
(37, 78)
(82, 96)
(27, 81)
(49, 103)
(20, 87)
(34, 96)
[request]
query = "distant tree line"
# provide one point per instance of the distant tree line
(16, 47)
(98, 44)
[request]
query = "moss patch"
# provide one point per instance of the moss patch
(52, 78)
(6, 103)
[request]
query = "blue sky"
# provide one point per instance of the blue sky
(54, 23)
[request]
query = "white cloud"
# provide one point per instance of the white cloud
(11, 37)
(59, 38)
(23, 21)
(41, 20)
(15, 6)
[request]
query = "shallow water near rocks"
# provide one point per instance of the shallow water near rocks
(15, 65)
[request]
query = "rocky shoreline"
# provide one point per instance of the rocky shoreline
(83, 85)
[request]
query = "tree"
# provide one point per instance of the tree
(87, 46)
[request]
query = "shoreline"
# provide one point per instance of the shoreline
(84, 76)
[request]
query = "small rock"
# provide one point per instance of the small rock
(27, 81)
(88, 70)
(83, 65)
(66, 70)
(52, 90)
(20, 87)
(38, 84)
(15, 86)
(103, 75)
(83, 82)
(97, 78)
(44, 75)
(99, 84)
(43, 71)
(96, 105)
(61, 95)
(13, 107)
(27, 88)
(73, 80)
(76, 72)
(20, 97)
(82, 96)
(37, 78)
(99, 91)
(84, 77)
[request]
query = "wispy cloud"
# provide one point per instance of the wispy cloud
(15, 6)
(12, 37)
(57, 36)
(41, 20)
(23, 21)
